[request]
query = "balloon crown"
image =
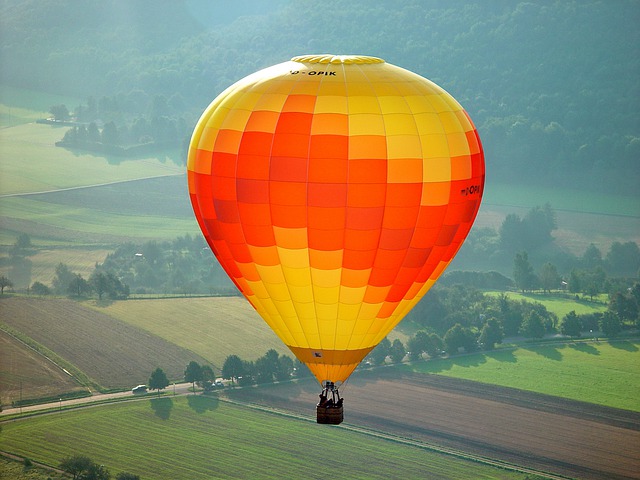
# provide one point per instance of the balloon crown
(337, 59)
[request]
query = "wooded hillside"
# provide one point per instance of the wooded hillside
(552, 86)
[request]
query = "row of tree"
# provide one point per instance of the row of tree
(81, 467)
(539, 106)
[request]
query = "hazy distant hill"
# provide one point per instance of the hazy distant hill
(552, 86)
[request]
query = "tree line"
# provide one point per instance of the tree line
(538, 106)
(125, 125)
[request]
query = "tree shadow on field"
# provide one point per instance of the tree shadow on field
(585, 348)
(624, 345)
(547, 351)
(202, 404)
(503, 355)
(162, 407)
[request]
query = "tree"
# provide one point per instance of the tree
(398, 351)
(549, 278)
(285, 367)
(76, 465)
(610, 324)
(60, 113)
(78, 286)
(623, 259)
(207, 375)
(110, 134)
(624, 306)
(533, 325)
(571, 324)
(62, 279)
(39, 288)
(99, 282)
(459, 337)
(233, 368)
(592, 258)
(127, 476)
(418, 344)
(491, 334)
(4, 283)
(23, 242)
(379, 354)
(158, 380)
(523, 272)
(193, 373)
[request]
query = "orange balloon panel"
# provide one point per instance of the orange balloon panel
(334, 190)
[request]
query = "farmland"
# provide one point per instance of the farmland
(110, 353)
(32, 163)
(167, 437)
(211, 327)
(558, 304)
(600, 373)
(548, 433)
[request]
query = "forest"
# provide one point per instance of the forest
(552, 86)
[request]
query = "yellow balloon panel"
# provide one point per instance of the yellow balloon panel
(334, 190)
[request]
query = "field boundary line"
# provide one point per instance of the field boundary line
(82, 187)
(50, 356)
(405, 441)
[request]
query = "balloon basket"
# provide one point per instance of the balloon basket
(329, 410)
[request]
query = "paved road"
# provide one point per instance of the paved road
(177, 389)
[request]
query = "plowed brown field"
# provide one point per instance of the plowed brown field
(110, 352)
(549, 434)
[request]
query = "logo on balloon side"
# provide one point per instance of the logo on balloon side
(312, 73)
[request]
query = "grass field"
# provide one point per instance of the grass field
(561, 199)
(602, 373)
(558, 304)
(211, 327)
(41, 267)
(200, 438)
(82, 225)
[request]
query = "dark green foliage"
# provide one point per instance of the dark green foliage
(610, 324)
(533, 325)
(193, 373)
(523, 273)
(76, 465)
(233, 368)
(5, 282)
(491, 334)
(379, 354)
(158, 380)
(185, 265)
(39, 288)
(398, 351)
(571, 325)
(558, 104)
(460, 338)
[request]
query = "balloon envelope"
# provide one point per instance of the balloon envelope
(334, 190)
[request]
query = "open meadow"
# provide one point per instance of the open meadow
(603, 373)
(212, 327)
(559, 304)
(196, 437)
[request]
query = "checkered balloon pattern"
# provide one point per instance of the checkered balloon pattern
(334, 191)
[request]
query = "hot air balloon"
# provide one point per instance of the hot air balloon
(334, 190)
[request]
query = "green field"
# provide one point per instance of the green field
(211, 327)
(196, 437)
(558, 304)
(90, 225)
(32, 163)
(601, 373)
(561, 199)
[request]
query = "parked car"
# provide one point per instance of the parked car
(139, 389)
